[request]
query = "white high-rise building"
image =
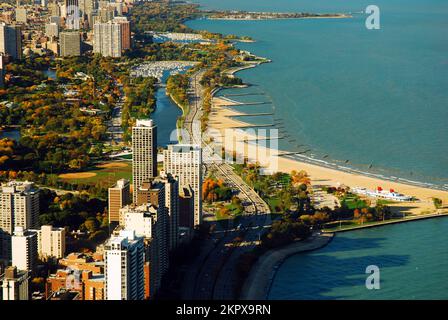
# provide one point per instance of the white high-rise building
(19, 207)
(14, 284)
(24, 249)
(151, 222)
(52, 30)
(124, 267)
(72, 14)
(107, 39)
(21, 15)
(144, 153)
(50, 242)
(185, 162)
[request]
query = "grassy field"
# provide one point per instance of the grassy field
(103, 174)
(354, 202)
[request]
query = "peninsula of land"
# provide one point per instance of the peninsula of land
(248, 15)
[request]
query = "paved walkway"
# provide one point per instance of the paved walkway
(260, 278)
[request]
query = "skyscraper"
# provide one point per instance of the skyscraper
(11, 40)
(2, 66)
(151, 222)
(52, 30)
(14, 284)
(107, 39)
(186, 208)
(21, 15)
(119, 196)
(124, 262)
(185, 162)
(50, 242)
(70, 44)
(172, 204)
(72, 15)
(19, 207)
(24, 249)
(54, 9)
(144, 153)
(125, 26)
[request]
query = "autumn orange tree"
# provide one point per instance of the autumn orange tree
(215, 190)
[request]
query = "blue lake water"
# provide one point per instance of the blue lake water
(165, 116)
(13, 134)
(373, 97)
(412, 258)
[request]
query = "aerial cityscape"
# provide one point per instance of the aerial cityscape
(223, 150)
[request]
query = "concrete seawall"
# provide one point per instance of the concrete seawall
(257, 285)
(389, 222)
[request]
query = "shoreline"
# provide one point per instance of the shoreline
(389, 222)
(230, 18)
(260, 279)
(222, 117)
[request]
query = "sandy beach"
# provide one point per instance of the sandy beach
(221, 119)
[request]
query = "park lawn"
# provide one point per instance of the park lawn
(235, 210)
(219, 216)
(106, 175)
(354, 202)
(385, 202)
(273, 202)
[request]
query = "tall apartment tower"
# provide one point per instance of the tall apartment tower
(72, 14)
(105, 14)
(144, 153)
(11, 40)
(125, 26)
(52, 30)
(19, 207)
(86, 9)
(152, 193)
(24, 249)
(172, 205)
(119, 196)
(21, 15)
(2, 67)
(124, 263)
(50, 242)
(14, 284)
(55, 9)
(107, 39)
(186, 208)
(185, 162)
(70, 44)
(151, 222)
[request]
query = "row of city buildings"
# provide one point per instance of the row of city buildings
(22, 240)
(64, 28)
(148, 219)
(162, 212)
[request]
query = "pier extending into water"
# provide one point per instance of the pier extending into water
(387, 222)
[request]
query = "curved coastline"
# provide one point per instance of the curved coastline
(259, 282)
(333, 165)
(329, 172)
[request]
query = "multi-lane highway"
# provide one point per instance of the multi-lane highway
(214, 273)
